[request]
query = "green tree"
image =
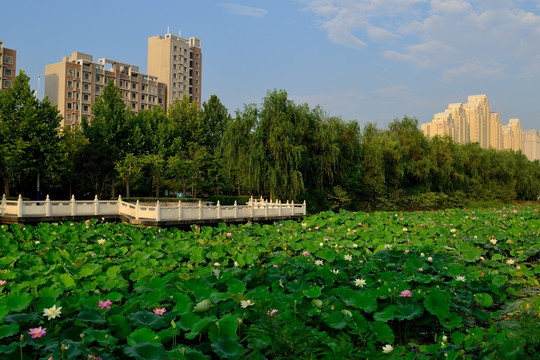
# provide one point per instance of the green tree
(29, 137)
(108, 135)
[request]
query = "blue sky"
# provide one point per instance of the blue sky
(364, 60)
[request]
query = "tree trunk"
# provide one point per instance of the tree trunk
(113, 190)
(127, 189)
(6, 185)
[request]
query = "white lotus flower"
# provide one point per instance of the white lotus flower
(387, 349)
(245, 303)
(359, 282)
(51, 313)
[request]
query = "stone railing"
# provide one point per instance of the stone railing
(157, 212)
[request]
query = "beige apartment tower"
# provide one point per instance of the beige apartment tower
(8, 62)
(74, 83)
(470, 122)
(531, 144)
(177, 62)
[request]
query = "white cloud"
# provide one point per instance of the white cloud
(453, 35)
(474, 72)
(244, 10)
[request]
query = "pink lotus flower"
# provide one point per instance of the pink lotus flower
(272, 312)
(305, 253)
(405, 293)
(482, 274)
(105, 304)
(229, 234)
(38, 332)
(407, 251)
(518, 267)
(316, 228)
(308, 229)
(275, 265)
(160, 311)
(420, 269)
(3, 282)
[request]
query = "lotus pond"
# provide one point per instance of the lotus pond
(426, 285)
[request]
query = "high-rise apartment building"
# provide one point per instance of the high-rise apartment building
(8, 62)
(517, 134)
(74, 83)
(495, 132)
(177, 62)
(470, 122)
(531, 144)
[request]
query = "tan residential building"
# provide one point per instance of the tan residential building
(495, 132)
(462, 130)
(477, 111)
(74, 83)
(517, 134)
(508, 137)
(8, 63)
(177, 62)
(531, 144)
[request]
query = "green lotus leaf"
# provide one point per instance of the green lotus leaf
(189, 354)
(498, 280)
(9, 349)
(336, 320)
(385, 315)
(383, 332)
(183, 303)
(146, 351)
(90, 316)
(8, 330)
(119, 325)
(194, 324)
(483, 299)
(67, 281)
(436, 302)
(228, 348)
(147, 318)
(16, 302)
(143, 335)
(235, 286)
(89, 269)
(226, 326)
(313, 292)
(408, 311)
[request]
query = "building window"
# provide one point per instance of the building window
(196, 99)
(98, 78)
(75, 117)
(134, 86)
(76, 96)
(196, 73)
(69, 106)
(8, 60)
(78, 74)
(85, 97)
(70, 72)
(121, 83)
(197, 64)
(85, 108)
(70, 83)
(76, 107)
(144, 88)
(133, 105)
(142, 107)
(197, 55)
(196, 90)
(70, 95)
(174, 66)
(133, 96)
(86, 76)
(98, 88)
(174, 57)
(143, 97)
(160, 101)
(86, 86)
(68, 117)
(197, 81)
(175, 48)
(76, 84)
